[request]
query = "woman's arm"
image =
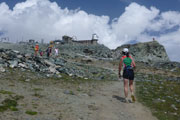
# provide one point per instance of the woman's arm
(133, 63)
(120, 67)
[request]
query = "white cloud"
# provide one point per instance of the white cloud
(133, 22)
(38, 19)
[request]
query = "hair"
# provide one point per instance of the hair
(126, 53)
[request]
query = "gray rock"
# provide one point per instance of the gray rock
(19, 56)
(60, 62)
(59, 76)
(48, 63)
(22, 65)
(28, 55)
(49, 75)
(53, 70)
(2, 61)
(2, 69)
(68, 92)
(27, 80)
(174, 107)
(15, 51)
(13, 64)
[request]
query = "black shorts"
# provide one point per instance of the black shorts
(128, 74)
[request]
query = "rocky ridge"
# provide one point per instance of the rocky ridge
(51, 66)
(75, 60)
(145, 52)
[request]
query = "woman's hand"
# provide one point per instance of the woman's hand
(119, 75)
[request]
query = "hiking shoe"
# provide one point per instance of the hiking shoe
(133, 98)
(126, 100)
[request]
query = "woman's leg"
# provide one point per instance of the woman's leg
(132, 90)
(131, 87)
(126, 87)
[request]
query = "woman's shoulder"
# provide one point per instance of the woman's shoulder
(124, 56)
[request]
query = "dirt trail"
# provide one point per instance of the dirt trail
(53, 100)
(112, 107)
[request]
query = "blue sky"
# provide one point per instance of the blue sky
(112, 8)
(136, 20)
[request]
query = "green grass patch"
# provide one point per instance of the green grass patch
(3, 108)
(8, 104)
(13, 108)
(18, 97)
(37, 89)
(37, 95)
(30, 112)
(71, 93)
(162, 96)
(79, 89)
(6, 92)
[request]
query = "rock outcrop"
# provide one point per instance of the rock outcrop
(52, 66)
(144, 52)
(95, 51)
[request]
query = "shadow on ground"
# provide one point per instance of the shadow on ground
(121, 99)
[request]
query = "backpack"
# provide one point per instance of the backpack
(127, 62)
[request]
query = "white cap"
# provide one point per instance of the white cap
(125, 50)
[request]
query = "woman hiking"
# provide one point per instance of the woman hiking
(128, 73)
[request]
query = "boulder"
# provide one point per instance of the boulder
(22, 65)
(48, 63)
(28, 55)
(53, 70)
(13, 64)
(60, 62)
(2, 69)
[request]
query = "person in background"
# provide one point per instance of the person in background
(50, 48)
(128, 73)
(41, 53)
(36, 49)
(56, 52)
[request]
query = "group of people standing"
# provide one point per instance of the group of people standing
(48, 51)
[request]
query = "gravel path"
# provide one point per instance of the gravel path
(54, 100)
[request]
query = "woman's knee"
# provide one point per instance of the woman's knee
(130, 82)
(125, 82)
